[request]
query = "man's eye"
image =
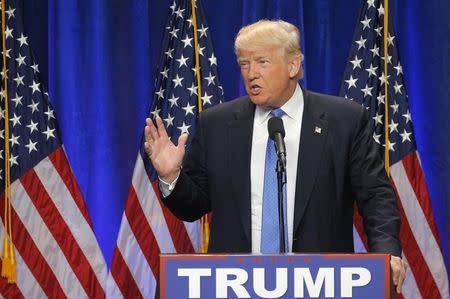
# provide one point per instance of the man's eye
(243, 65)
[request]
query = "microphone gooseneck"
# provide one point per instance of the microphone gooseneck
(276, 133)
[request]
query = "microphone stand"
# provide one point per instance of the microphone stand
(281, 172)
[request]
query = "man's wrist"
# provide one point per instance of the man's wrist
(171, 178)
(166, 187)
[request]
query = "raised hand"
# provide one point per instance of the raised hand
(166, 157)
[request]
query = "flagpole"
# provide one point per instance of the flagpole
(8, 263)
(197, 58)
(386, 87)
(204, 220)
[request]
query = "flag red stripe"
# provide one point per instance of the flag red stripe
(416, 179)
(142, 231)
(123, 277)
(61, 164)
(178, 232)
(62, 234)
(417, 264)
(33, 257)
(9, 290)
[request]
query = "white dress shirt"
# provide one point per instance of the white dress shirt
(292, 121)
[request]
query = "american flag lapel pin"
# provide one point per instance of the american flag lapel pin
(318, 130)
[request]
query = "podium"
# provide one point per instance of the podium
(275, 276)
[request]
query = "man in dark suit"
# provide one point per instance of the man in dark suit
(332, 160)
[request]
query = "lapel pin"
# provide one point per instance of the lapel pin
(318, 130)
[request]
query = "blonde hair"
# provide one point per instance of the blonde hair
(269, 33)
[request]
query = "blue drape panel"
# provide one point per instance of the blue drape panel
(423, 29)
(101, 57)
(99, 66)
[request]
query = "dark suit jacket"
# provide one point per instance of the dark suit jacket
(336, 167)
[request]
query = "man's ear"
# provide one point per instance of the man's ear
(294, 67)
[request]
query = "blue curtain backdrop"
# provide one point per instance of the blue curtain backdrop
(99, 58)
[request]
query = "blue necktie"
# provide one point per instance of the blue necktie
(270, 231)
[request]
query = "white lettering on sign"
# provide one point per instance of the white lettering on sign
(281, 283)
(303, 277)
(223, 282)
(233, 280)
(348, 283)
(194, 275)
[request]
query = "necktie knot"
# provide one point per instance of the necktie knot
(277, 112)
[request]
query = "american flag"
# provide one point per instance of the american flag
(56, 252)
(364, 82)
(148, 228)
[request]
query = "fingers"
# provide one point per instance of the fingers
(398, 268)
(147, 129)
(148, 136)
(161, 129)
(151, 133)
(182, 140)
(154, 135)
(395, 270)
(401, 278)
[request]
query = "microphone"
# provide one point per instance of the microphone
(276, 133)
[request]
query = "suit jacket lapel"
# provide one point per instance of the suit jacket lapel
(313, 135)
(240, 131)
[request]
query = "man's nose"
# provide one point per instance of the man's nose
(253, 71)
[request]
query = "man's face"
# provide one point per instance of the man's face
(268, 76)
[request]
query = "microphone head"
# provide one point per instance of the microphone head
(275, 125)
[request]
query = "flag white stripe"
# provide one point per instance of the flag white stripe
(357, 242)
(135, 260)
(420, 228)
(418, 159)
(112, 290)
(80, 229)
(45, 242)
(194, 231)
(26, 282)
(151, 207)
(410, 289)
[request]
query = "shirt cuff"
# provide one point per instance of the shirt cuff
(167, 188)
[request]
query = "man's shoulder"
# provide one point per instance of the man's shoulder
(330, 104)
(238, 105)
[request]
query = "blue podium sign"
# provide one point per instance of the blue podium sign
(275, 276)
